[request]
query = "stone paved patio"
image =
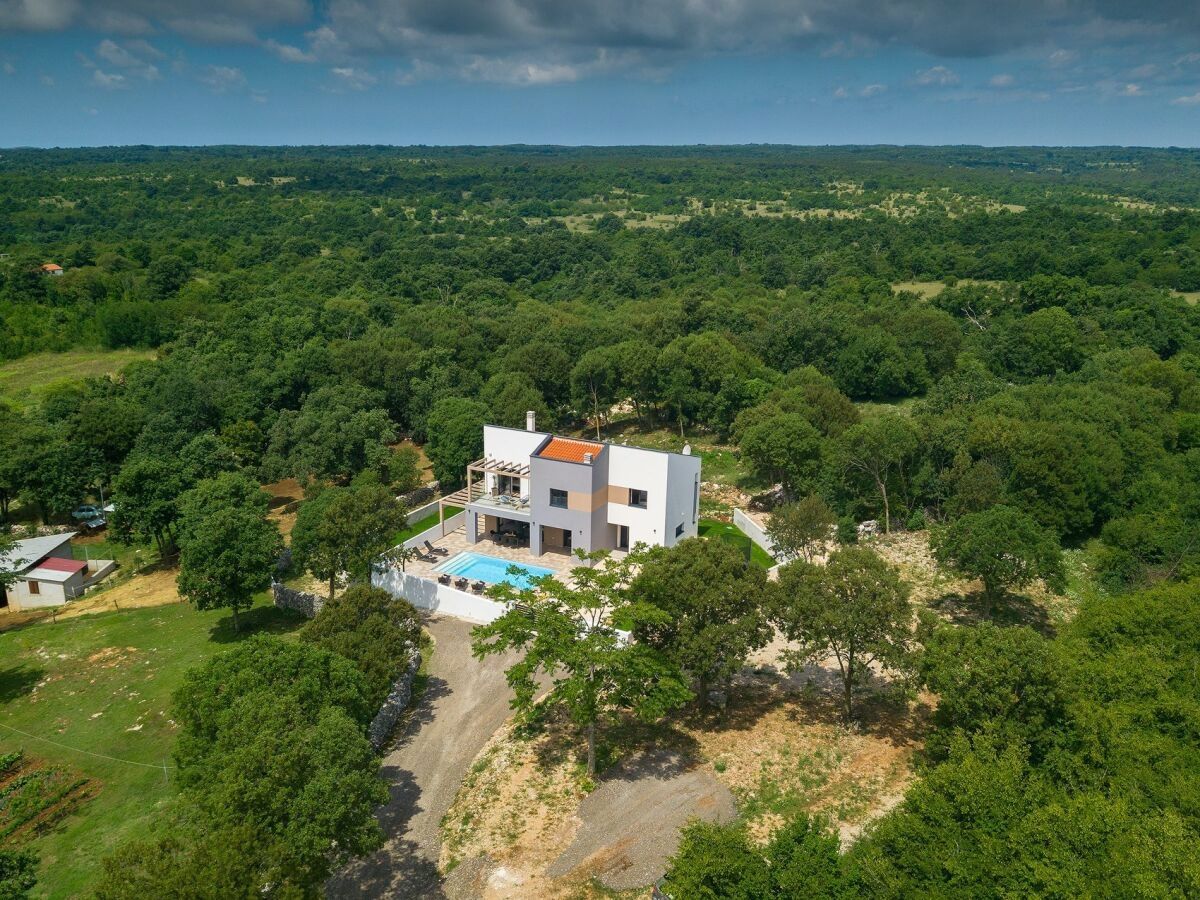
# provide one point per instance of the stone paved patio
(559, 562)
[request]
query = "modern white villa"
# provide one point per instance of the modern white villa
(531, 501)
(551, 493)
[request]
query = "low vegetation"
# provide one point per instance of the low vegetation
(92, 696)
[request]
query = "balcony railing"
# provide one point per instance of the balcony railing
(477, 495)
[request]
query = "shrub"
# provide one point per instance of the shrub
(372, 629)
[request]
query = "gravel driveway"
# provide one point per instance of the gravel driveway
(465, 701)
(630, 824)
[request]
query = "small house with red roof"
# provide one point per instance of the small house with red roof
(51, 269)
(47, 573)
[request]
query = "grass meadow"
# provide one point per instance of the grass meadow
(92, 695)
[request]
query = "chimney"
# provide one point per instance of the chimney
(530, 423)
(687, 449)
(587, 459)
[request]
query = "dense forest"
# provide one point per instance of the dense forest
(311, 307)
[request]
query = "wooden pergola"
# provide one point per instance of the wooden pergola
(474, 490)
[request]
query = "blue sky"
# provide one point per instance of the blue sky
(90, 72)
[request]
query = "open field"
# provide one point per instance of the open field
(928, 289)
(24, 380)
(92, 694)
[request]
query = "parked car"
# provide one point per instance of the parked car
(93, 524)
(85, 512)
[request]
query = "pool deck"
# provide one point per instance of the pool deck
(557, 561)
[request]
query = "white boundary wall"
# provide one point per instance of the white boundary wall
(421, 512)
(751, 529)
(440, 598)
(434, 534)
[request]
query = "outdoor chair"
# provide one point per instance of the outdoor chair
(460, 583)
(439, 551)
(443, 579)
(478, 587)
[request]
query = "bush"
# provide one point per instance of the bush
(718, 862)
(847, 530)
(372, 629)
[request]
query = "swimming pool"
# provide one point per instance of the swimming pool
(477, 567)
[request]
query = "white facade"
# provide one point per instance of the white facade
(584, 495)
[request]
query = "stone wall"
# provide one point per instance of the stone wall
(397, 701)
(423, 494)
(381, 727)
(308, 605)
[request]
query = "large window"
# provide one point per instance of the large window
(558, 498)
(637, 498)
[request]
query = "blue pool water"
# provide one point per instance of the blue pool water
(477, 567)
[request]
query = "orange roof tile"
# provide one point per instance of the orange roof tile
(568, 450)
(51, 267)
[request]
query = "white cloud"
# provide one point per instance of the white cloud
(936, 76)
(123, 58)
(840, 93)
(518, 72)
(288, 53)
(352, 78)
(851, 48)
(258, 96)
(1190, 100)
(37, 15)
(1002, 80)
(8, 68)
(47, 80)
(223, 79)
(872, 90)
(144, 49)
(1062, 57)
(113, 81)
(1131, 90)
(215, 30)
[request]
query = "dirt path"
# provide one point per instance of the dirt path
(465, 701)
(629, 826)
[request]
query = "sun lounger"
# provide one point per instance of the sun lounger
(478, 587)
(460, 583)
(443, 579)
(440, 551)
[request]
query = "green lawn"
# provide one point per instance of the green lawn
(714, 528)
(24, 380)
(101, 684)
(421, 524)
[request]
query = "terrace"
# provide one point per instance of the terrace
(560, 562)
(503, 499)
